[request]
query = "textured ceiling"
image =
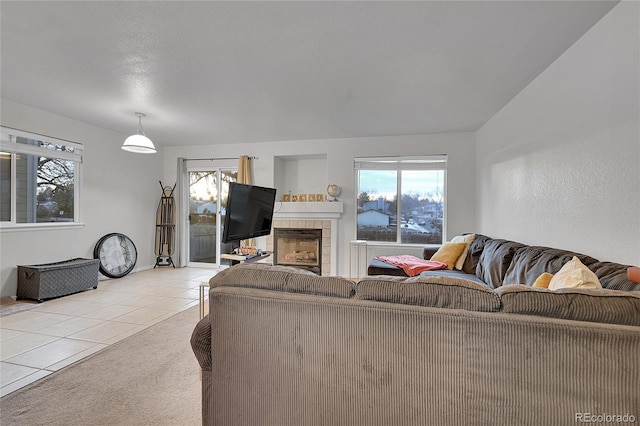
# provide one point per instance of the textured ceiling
(228, 72)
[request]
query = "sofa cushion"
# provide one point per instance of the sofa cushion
(495, 260)
(574, 275)
(435, 291)
(449, 253)
(589, 304)
(613, 276)
(473, 255)
(543, 280)
(467, 239)
(455, 274)
(531, 261)
(282, 278)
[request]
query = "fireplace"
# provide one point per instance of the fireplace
(318, 215)
(299, 247)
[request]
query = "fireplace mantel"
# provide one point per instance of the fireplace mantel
(311, 210)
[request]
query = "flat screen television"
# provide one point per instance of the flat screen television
(249, 212)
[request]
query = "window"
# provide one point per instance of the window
(401, 199)
(208, 193)
(39, 179)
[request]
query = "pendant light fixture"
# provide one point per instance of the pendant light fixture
(139, 142)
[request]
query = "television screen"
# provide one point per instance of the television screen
(249, 212)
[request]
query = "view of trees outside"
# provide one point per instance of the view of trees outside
(41, 187)
(203, 190)
(55, 190)
(203, 205)
(419, 215)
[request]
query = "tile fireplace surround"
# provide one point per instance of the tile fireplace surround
(318, 215)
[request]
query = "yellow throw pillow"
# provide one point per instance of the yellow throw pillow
(543, 280)
(574, 274)
(449, 253)
(467, 239)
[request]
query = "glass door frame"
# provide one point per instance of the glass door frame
(218, 243)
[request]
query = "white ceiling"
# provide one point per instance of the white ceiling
(228, 72)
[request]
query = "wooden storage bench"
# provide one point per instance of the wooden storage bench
(49, 280)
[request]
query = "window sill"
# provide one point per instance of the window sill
(15, 227)
(390, 244)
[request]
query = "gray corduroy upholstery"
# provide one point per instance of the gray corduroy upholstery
(437, 291)
(286, 358)
(582, 304)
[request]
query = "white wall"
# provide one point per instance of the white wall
(120, 193)
(340, 154)
(559, 165)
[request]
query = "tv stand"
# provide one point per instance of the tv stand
(234, 259)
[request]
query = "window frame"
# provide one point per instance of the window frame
(9, 144)
(399, 164)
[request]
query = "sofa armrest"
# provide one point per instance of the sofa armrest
(201, 343)
(429, 250)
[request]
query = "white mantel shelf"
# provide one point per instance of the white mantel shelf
(316, 210)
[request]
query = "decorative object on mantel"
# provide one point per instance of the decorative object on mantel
(302, 198)
(333, 190)
(320, 197)
(139, 142)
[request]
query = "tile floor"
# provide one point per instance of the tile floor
(59, 332)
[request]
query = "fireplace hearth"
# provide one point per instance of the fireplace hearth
(299, 247)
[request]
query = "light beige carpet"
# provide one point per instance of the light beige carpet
(151, 378)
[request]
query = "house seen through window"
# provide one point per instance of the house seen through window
(401, 199)
(39, 179)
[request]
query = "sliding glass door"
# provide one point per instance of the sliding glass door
(208, 191)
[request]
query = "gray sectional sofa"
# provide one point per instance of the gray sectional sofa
(282, 346)
(498, 262)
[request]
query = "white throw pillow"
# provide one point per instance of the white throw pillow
(574, 275)
(467, 239)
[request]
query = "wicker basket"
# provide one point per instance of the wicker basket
(46, 281)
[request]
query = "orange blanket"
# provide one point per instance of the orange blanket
(412, 265)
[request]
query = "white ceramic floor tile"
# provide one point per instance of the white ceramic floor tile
(51, 353)
(177, 283)
(65, 330)
(141, 300)
(39, 374)
(142, 315)
(9, 334)
(77, 357)
(9, 373)
(69, 327)
(169, 303)
(161, 318)
(135, 329)
(162, 291)
(32, 320)
(102, 297)
(23, 343)
(69, 306)
(118, 287)
(103, 333)
(110, 312)
(193, 294)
